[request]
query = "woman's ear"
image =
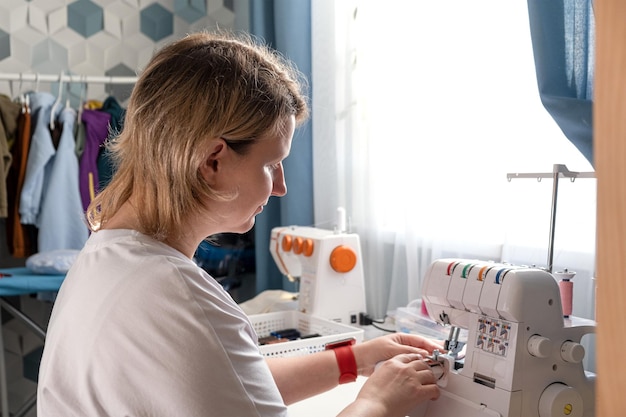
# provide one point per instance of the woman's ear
(213, 163)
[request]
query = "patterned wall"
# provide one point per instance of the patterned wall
(97, 37)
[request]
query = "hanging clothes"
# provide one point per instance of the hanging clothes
(40, 153)
(9, 112)
(117, 112)
(104, 162)
(52, 208)
(62, 223)
(80, 126)
(21, 238)
(96, 132)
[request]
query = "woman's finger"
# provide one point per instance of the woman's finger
(409, 357)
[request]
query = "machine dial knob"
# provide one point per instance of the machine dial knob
(307, 247)
(560, 400)
(298, 245)
(572, 352)
(343, 258)
(287, 243)
(539, 346)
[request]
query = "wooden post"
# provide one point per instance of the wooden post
(609, 115)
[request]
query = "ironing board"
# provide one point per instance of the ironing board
(19, 281)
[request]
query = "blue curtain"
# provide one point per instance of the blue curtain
(563, 39)
(286, 26)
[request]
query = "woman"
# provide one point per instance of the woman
(137, 328)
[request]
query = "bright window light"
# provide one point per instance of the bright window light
(449, 103)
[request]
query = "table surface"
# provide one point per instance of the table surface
(24, 281)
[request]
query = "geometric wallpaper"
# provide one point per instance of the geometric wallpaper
(100, 37)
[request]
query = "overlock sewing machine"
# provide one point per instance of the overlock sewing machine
(522, 358)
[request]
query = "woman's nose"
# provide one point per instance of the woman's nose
(279, 187)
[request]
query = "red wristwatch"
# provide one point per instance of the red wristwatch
(347, 364)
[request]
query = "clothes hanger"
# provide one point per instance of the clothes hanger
(82, 98)
(20, 90)
(56, 103)
(68, 92)
(21, 97)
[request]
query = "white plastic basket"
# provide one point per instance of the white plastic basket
(306, 324)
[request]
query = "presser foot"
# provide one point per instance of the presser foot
(439, 364)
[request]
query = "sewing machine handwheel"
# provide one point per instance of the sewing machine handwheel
(560, 400)
(343, 259)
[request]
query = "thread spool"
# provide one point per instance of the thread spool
(566, 288)
(341, 220)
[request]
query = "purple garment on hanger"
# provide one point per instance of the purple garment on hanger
(96, 132)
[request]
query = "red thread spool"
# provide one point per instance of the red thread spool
(566, 287)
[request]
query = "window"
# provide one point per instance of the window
(420, 111)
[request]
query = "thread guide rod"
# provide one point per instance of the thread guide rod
(558, 171)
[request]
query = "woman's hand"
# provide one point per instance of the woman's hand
(398, 385)
(301, 377)
(368, 354)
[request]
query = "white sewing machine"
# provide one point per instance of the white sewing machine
(522, 358)
(330, 269)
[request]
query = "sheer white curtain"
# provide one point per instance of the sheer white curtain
(420, 109)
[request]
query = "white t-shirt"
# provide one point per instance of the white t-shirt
(138, 329)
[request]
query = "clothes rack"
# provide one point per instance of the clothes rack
(68, 78)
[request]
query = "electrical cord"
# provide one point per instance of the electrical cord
(365, 320)
(384, 330)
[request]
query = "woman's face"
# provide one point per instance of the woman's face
(256, 175)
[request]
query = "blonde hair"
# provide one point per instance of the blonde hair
(201, 87)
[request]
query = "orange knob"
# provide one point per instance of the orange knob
(287, 243)
(480, 273)
(343, 259)
(308, 247)
(298, 244)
